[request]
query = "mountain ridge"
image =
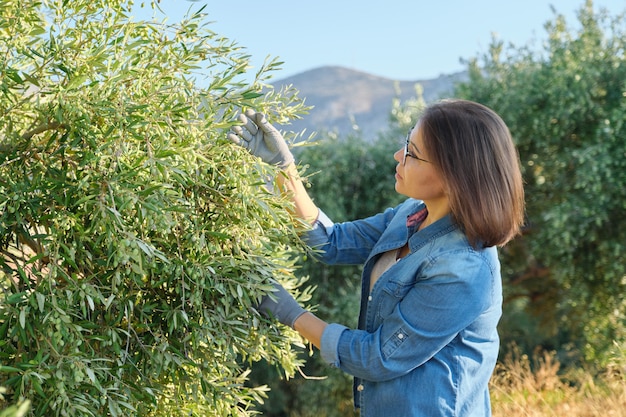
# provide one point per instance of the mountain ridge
(345, 100)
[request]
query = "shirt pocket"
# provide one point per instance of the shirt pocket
(391, 293)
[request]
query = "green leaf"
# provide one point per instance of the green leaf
(22, 318)
(90, 302)
(16, 298)
(41, 300)
(251, 95)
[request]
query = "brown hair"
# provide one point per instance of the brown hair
(472, 148)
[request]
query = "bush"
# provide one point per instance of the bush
(135, 240)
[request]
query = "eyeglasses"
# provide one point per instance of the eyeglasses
(408, 153)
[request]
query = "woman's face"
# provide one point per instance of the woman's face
(417, 178)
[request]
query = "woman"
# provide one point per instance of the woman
(426, 343)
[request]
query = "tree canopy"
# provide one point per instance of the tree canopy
(135, 240)
(564, 104)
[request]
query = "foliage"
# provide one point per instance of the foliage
(17, 410)
(134, 243)
(565, 107)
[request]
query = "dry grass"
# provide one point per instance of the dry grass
(521, 388)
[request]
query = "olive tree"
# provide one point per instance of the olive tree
(135, 240)
(565, 105)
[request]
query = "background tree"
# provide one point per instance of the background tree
(134, 242)
(565, 106)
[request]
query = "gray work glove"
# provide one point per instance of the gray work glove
(281, 306)
(261, 139)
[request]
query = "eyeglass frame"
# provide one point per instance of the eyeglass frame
(408, 153)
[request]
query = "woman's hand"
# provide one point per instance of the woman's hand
(281, 306)
(261, 139)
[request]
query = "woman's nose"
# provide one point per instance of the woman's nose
(398, 155)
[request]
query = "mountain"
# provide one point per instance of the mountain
(343, 98)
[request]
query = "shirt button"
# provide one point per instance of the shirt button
(401, 336)
(360, 387)
(369, 298)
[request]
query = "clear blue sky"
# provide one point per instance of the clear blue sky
(397, 39)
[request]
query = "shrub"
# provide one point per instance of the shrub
(135, 241)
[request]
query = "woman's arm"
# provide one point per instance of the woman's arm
(290, 183)
(311, 328)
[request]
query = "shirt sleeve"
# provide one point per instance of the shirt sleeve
(318, 235)
(347, 242)
(330, 342)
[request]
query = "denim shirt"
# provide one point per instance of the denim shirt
(426, 343)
